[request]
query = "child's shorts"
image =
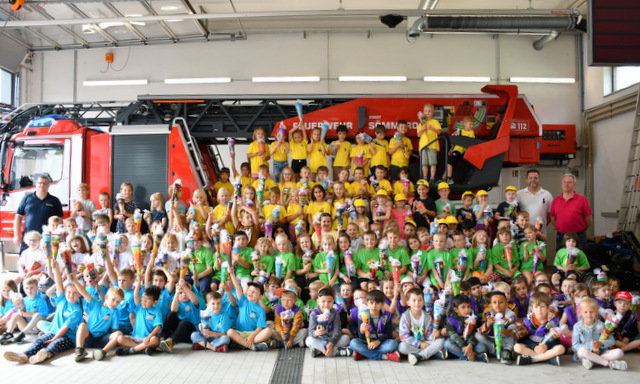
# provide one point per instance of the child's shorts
(97, 342)
(531, 344)
(297, 165)
(137, 340)
(429, 156)
(454, 157)
(566, 275)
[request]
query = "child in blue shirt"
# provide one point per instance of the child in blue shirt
(62, 333)
(123, 279)
(213, 333)
(161, 278)
(100, 331)
(184, 317)
(375, 335)
(148, 322)
(251, 328)
(35, 309)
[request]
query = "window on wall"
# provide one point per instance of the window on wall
(8, 87)
(617, 78)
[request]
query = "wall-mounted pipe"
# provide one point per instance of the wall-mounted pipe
(479, 23)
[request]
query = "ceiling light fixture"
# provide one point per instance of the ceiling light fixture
(552, 80)
(285, 79)
(458, 79)
(373, 78)
(99, 83)
(169, 7)
(198, 80)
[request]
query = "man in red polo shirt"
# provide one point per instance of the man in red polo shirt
(571, 212)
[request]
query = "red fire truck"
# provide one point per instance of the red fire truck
(158, 139)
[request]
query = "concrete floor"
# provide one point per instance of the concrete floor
(235, 367)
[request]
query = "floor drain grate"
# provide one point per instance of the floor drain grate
(288, 368)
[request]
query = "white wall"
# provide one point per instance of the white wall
(325, 55)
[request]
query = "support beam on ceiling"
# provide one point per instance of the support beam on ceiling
(199, 24)
(130, 27)
(147, 5)
(96, 28)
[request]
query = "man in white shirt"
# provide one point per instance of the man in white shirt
(535, 199)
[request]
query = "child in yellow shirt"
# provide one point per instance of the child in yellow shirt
(317, 152)
(223, 182)
(378, 182)
(361, 154)
(279, 152)
(404, 186)
(429, 130)
(268, 182)
(342, 150)
(400, 149)
(456, 153)
(381, 157)
(257, 153)
(298, 148)
(245, 172)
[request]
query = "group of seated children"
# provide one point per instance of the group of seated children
(419, 296)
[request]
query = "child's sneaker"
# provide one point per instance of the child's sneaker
(80, 354)
(393, 356)
(314, 352)
(482, 357)
(260, 347)
(344, 351)
(554, 361)
(505, 358)
(39, 357)
(123, 351)
(19, 339)
(198, 347)
(588, 364)
(357, 356)
(619, 365)
(6, 338)
(441, 355)
(523, 360)
(167, 345)
(414, 358)
(149, 351)
(98, 354)
(222, 349)
(16, 357)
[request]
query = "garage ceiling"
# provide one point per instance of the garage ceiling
(65, 24)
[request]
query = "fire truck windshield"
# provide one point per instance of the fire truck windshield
(30, 162)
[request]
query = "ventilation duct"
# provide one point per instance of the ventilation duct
(496, 24)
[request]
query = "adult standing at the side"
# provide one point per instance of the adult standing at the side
(36, 208)
(536, 200)
(571, 212)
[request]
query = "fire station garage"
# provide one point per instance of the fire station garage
(532, 103)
